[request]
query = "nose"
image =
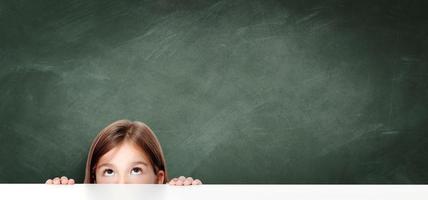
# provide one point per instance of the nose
(122, 180)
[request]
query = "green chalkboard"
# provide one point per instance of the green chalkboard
(238, 91)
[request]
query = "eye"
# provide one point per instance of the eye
(108, 172)
(136, 171)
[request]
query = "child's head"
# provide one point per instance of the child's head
(126, 152)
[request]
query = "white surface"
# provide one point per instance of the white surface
(245, 192)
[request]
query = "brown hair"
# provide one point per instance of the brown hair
(115, 134)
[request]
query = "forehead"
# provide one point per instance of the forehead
(127, 152)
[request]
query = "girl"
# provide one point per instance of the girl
(126, 152)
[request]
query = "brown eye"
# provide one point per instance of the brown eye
(108, 172)
(136, 171)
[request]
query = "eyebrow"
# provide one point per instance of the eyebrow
(140, 162)
(133, 163)
(105, 165)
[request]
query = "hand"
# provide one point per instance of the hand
(180, 181)
(60, 181)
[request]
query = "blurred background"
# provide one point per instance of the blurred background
(244, 91)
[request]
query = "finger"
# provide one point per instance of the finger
(56, 181)
(188, 181)
(49, 181)
(71, 181)
(173, 181)
(64, 180)
(181, 178)
(179, 183)
(197, 182)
